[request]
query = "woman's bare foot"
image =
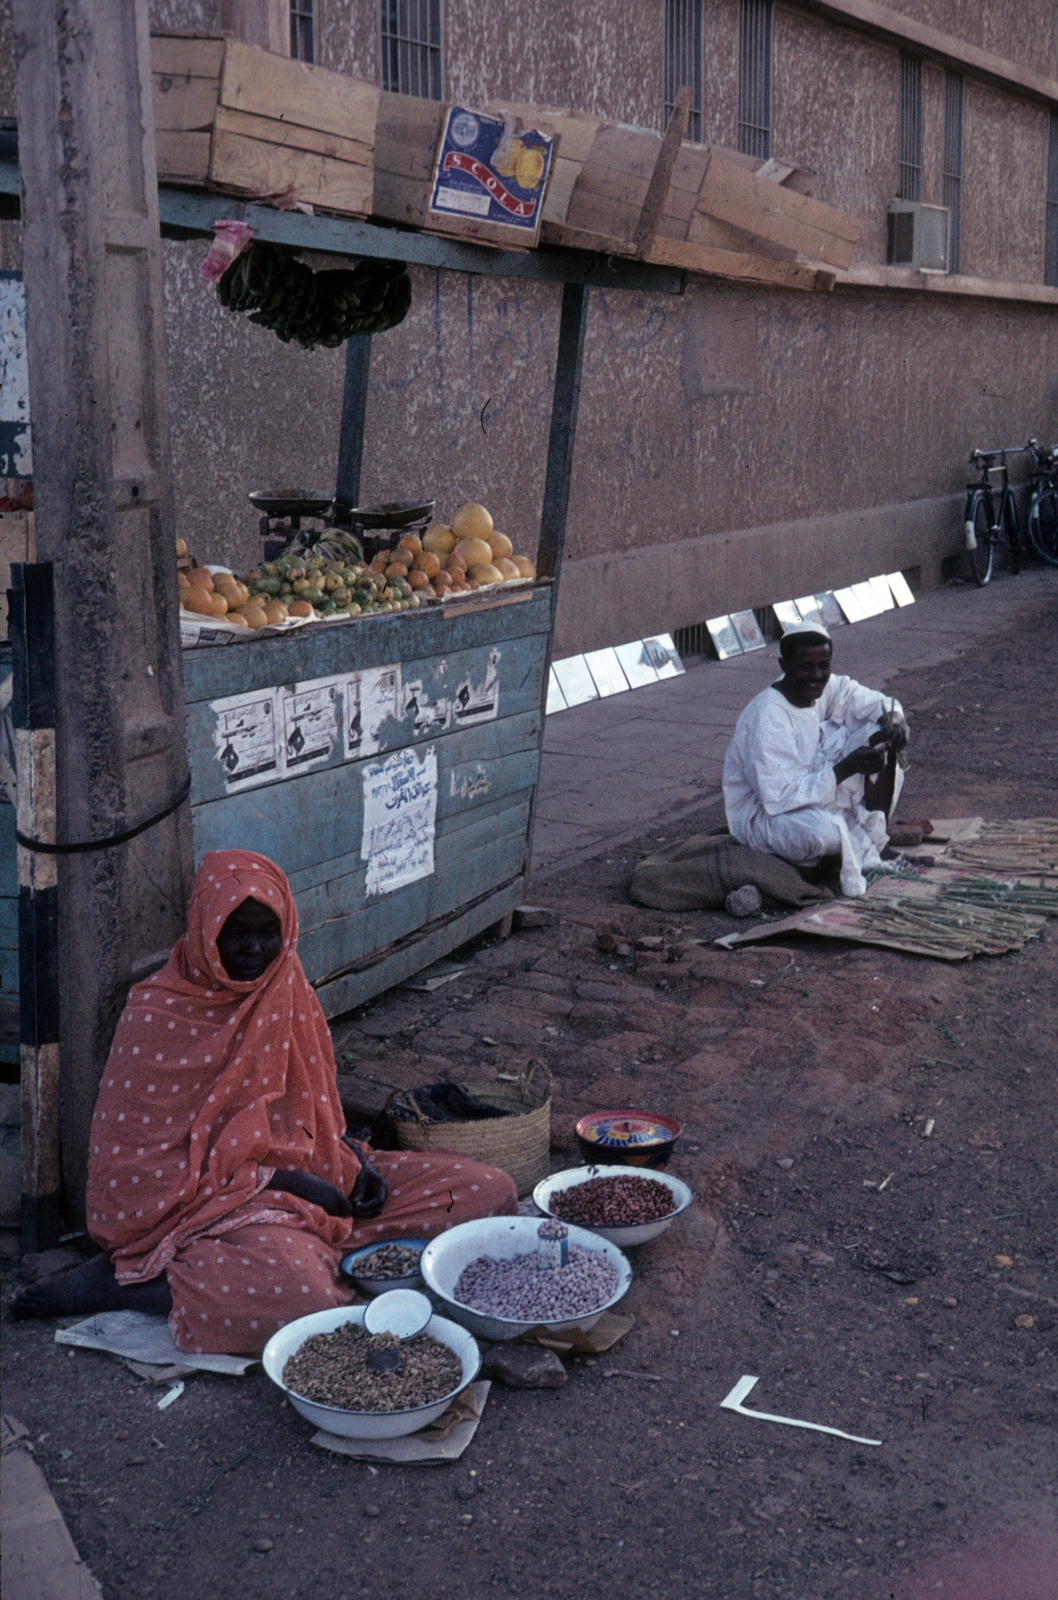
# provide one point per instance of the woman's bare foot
(90, 1288)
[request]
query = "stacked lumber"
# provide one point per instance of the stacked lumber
(716, 211)
(237, 118)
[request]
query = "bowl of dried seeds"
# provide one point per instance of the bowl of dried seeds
(377, 1268)
(321, 1365)
(621, 1204)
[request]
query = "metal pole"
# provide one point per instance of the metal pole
(104, 519)
(354, 413)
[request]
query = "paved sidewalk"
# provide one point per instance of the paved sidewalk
(611, 766)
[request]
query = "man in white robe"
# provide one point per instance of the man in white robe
(795, 771)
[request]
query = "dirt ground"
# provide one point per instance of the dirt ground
(898, 1286)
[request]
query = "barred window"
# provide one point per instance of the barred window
(411, 47)
(754, 78)
(909, 129)
(683, 59)
(302, 30)
(1050, 253)
(952, 195)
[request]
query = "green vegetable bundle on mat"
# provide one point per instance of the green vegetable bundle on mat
(315, 308)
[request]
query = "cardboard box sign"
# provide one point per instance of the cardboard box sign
(489, 181)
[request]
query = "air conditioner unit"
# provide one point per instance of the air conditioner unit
(918, 236)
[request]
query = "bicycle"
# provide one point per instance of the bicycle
(989, 529)
(1043, 506)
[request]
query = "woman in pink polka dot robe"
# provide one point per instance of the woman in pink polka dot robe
(220, 1183)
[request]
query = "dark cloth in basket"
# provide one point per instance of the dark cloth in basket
(441, 1102)
(698, 874)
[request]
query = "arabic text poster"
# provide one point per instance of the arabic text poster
(400, 816)
(371, 697)
(310, 723)
(487, 172)
(246, 738)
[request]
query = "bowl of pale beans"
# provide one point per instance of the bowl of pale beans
(488, 1276)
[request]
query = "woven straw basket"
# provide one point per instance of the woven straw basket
(519, 1143)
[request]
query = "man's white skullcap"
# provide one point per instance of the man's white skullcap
(816, 628)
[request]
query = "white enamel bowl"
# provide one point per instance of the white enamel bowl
(501, 1237)
(366, 1424)
(639, 1232)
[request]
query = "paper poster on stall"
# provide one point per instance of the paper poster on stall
(479, 702)
(311, 727)
(371, 697)
(400, 816)
(246, 738)
(487, 172)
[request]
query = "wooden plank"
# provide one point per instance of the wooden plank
(399, 199)
(520, 680)
(182, 55)
(183, 157)
(322, 651)
(490, 851)
(405, 957)
(268, 85)
(564, 175)
(569, 238)
(184, 105)
(774, 212)
(661, 177)
(290, 135)
(249, 166)
(741, 266)
(717, 235)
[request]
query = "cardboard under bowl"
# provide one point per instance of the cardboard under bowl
(648, 1141)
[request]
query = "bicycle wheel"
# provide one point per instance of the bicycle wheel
(1012, 532)
(1043, 525)
(979, 519)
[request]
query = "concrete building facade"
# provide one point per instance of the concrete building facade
(738, 444)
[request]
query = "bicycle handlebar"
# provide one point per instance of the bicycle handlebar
(977, 456)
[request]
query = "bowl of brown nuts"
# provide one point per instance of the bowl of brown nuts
(624, 1205)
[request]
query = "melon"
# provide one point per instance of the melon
(439, 538)
(472, 522)
(506, 568)
(499, 544)
(485, 572)
(526, 568)
(474, 552)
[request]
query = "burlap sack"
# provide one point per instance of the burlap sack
(699, 873)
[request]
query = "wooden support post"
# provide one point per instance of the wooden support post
(354, 416)
(565, 401)
(661, 177)
(32, 632)
(104, 520)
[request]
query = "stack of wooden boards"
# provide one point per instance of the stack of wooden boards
(236, 118)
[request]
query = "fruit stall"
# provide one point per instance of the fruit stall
(374, 722)
(385, 752)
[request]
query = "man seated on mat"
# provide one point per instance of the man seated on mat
(222, 1187)
(811, 770)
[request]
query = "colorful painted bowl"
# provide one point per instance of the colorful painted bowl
(374, 1286)
(627, 1138)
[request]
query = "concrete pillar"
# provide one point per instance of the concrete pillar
(104, 516)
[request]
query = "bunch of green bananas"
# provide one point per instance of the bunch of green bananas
(315, 308)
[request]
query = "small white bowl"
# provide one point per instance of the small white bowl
(366, 1424)
(444, 1258)
(637, 1233)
